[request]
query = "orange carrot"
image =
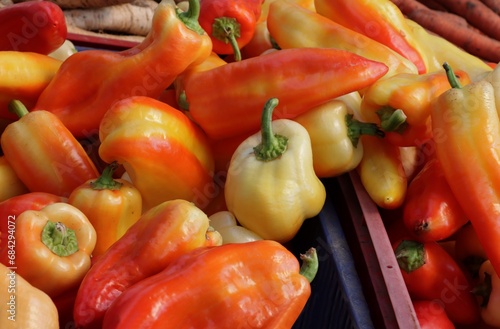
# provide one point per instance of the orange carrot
(493, 4)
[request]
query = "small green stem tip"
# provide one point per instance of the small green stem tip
(272, 145)
(310, 264)
(59, 239)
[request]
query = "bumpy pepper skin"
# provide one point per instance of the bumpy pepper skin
(111, 205)
(166, 155)
(80, 97)
(54, 242)
(380, 20)
(293, 26)
(61, 161)
(246, 285)
(32, 26)
(162, 234)
(24, 306)
(401, 104)
(273, 188)
(24, 76)
(227, 101)
(467, 138)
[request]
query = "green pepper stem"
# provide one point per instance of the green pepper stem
(410, 255)
(272, 145)
(452, 78)
(392, 119)
(60, 239)
(227, 30)
(106, 181)
(483, 290)
(18, 108)
(190, 17)
(356, 128)
(310, 264)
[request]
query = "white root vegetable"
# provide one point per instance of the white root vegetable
(130, 18)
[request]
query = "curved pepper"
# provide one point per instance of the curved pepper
(293, 26)
(24, 76)
(271, 186)
(226, 224)
(335, 137)
(401, 104)
(53, 247)
(382, 172)
(380, 20)
(246, 285)
(162, 234)
(429, 272)
(24, 306)
(466, 132)
(227, 101)
(44, 154)
(89, 82)
(229, 23)
(32, 26)
(111, 205)
(430, 210)
(166, 155)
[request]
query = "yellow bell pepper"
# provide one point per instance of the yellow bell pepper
(271, 186)
(53, 247)
(226, 224)
(111, 205)
(24, 306)
(335, 137)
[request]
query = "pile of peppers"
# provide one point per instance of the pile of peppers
(161, 185)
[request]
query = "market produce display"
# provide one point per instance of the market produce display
(160, 185)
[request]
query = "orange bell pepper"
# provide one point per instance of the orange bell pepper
(24, 76)
(380, 20)
(24, 306)
(466, 132)
(162, 234)
(166, 155)
(293, 26)
(111, 205)
(227, 101)
(245, 285)
(44, 154)
(401, 105)
(89, 82)
(52, 247)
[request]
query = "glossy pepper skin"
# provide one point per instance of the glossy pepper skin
(271, 186)
(431, 315)
(54, 242)
(467, 137)
(33, 26)
(24, 306)
(111, 205)
(387, 25)
(226, 224)
(382, 172)
(430, 210)
(429, 272)
(229, 23)
(162, 234)
(166, 155)
(294, 26)
(61, 161)
(247, 285)
(335, 137)
(24, 76)
(81, 97)
(227, 101)
(401, 105)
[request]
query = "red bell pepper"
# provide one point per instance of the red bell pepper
(32, 26)
(431, 315)
(229, 23)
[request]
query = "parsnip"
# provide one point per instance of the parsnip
(133, 18)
